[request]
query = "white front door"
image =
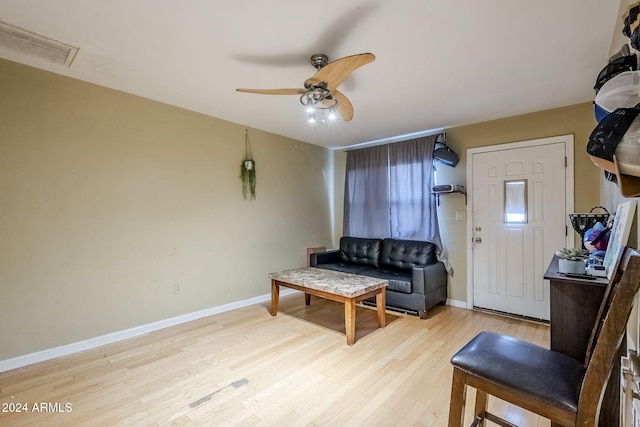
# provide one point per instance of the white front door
(519, 216)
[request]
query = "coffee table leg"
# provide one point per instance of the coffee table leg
(350, 320)
(307, 299)
(275, 297)
(381, 303)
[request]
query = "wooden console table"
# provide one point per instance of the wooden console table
(574, 304)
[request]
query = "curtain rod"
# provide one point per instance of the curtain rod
(391, 139)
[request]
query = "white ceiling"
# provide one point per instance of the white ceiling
(438, 63)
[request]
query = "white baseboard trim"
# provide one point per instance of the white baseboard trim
(65, 350)
(456, 303)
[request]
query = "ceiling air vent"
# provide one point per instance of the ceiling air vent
(28, 43)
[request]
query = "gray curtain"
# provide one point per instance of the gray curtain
(388, 193)
(366, 199)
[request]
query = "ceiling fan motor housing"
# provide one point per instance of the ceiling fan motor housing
(319, 60)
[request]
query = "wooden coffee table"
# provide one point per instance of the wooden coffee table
(335, 286)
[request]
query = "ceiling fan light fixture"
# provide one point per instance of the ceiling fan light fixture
(305, 99)
(332, 113)
(321, 112)
(311, 117)
(314, 95)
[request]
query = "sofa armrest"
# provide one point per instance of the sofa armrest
(323, 257)
(428, 278)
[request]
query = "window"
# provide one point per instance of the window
(515, 201)
(388, 192)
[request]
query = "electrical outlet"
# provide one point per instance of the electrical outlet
(177, 288)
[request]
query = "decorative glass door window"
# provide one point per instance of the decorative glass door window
(515, 201)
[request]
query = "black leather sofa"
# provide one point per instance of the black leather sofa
(417, 280)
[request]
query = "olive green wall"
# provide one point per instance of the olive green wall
(109, 201)
(578, 120)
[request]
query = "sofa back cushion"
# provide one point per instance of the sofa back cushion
(359, 251)
(403, 255)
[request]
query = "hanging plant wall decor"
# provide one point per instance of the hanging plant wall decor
(248, 170)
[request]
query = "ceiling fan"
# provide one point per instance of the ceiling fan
(320, 91)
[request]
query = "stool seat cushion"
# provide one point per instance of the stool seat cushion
(546, 375)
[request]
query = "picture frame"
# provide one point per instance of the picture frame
(620, 230)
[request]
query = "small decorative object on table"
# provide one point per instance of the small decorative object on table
(572, 260)
(595, 241)
(582, 222)
(596, 238)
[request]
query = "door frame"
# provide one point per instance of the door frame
(569, 192)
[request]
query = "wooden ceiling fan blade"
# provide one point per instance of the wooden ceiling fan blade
(344, 107)
(274, 91)
(334, 73)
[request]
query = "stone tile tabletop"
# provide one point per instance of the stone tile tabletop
(334, 282)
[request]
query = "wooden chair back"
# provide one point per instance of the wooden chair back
(620, 266)
(607, 335)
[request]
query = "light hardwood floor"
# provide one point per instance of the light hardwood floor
(246, 367)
